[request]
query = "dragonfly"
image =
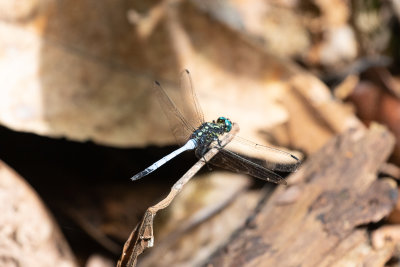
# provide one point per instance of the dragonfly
(193, 133)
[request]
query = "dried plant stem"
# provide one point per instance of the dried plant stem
(142, 236)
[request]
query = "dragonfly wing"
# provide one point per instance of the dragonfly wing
(275, 159)
(180, 127)
(230, 160)
(191, 109)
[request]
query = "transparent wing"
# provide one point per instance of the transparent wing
(230, 160)
(191, 108)
(180, 127)
(275, 159)
(184, 116)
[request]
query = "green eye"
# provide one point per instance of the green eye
(226, 122)
(221, 120)
(228, 125)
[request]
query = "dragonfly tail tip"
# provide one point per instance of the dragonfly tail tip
(136, 177)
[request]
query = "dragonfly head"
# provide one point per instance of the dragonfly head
(226, 123)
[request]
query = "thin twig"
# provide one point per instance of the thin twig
(142, 236)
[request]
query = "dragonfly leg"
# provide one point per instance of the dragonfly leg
(207, 164)
(200, 152)
(219, 143)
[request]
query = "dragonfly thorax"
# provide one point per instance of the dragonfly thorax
(211, 131)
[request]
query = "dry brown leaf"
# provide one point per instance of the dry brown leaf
(29, 235)
(71, 72)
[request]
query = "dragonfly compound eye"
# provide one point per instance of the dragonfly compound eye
(221, 120)
(226, 122)
(228, 125)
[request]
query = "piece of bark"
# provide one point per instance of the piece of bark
(28, 234)
(321, 226)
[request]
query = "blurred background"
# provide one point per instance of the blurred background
(78, 118)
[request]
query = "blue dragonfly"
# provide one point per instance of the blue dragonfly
(194, 133)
